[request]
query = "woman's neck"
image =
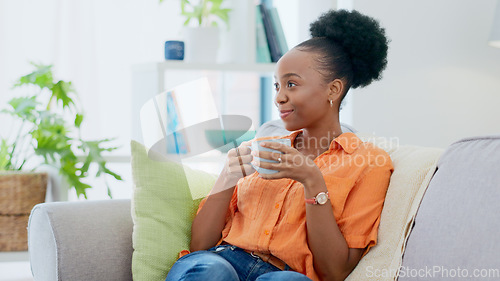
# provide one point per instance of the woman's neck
(314, 141)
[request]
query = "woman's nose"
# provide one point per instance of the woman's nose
(280, 97)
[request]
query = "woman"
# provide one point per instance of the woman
(319, 214)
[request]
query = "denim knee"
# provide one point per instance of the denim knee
(283, 276)
(202, 265)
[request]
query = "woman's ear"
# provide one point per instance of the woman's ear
(336, 89)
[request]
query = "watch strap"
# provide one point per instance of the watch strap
(311, 201)
(314, 200)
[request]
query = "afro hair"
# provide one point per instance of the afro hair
(361, 39)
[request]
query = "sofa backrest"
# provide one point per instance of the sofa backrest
(456, 227)
(277, 128)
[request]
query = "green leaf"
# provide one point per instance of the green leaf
(42, 77)
(94, 152)
(223, 14)
(4, 156)
(109, 191)
(73, 177)
(183, 6)
(51, 138)
(61, 91)
(78, 120)
(215, 4)
(24, 108)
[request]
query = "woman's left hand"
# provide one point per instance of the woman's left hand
(291, 163)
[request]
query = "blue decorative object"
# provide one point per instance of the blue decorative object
(174, 50)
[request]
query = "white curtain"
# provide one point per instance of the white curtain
(92, 43)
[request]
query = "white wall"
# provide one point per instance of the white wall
(442, 82)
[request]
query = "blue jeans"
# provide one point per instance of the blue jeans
(228, 263)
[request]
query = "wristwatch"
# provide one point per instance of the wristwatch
(320, 199)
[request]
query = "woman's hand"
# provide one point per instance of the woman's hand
(291, 164)
(237, 164)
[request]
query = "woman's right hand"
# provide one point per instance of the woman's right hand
(237, 164)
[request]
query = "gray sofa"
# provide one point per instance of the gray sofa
(453, 234)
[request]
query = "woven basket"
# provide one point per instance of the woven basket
(13, 233)
(19, 193)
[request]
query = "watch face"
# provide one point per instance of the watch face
(321, 198)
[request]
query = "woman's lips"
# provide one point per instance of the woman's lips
(285, 113)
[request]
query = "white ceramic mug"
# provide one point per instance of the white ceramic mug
(257, 147)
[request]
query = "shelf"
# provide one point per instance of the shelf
(182, 65)
(14, 256)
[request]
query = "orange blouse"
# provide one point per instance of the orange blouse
(270, 215)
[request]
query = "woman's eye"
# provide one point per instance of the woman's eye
(291, 84)
(276, 86)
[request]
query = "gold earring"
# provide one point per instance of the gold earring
(331, 103)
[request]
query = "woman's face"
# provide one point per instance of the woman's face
(301, 93)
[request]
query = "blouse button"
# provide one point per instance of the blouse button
(266, 232)
(277, 205)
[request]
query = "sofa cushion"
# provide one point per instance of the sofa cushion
(413, 169)
(166, 197)
(457, 224)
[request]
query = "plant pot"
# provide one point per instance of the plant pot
(201, 44)
(19, 193)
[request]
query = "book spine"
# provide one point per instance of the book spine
(278, 30)
(271, 37)
(263, 54)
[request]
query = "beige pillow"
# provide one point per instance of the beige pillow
(414, 167)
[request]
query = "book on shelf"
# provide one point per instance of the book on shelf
(272, 39)
(263, 54)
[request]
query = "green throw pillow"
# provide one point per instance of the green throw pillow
(162, 210)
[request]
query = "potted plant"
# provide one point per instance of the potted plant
(42, 137)
(202, 39)
(45, 137)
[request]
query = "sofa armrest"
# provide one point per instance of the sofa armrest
(84, 240)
